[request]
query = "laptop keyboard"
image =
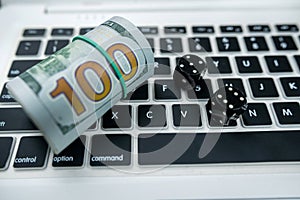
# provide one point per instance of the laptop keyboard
(262, 61)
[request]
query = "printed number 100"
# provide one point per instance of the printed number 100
(65, 89)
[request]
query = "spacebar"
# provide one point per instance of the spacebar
(243, 147)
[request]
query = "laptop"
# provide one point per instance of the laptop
(250, 45)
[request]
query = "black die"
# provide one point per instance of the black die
(189, 71)
(225, 105)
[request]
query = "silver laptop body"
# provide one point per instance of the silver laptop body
(271, 174)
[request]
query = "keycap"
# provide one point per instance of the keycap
(5, 96)
(5, 150)
(110, 150)
(32, 152)
(199, 44)
(85, 30)
(225, 106)
(256, 43)
(218, 65)
(151, 42)
(149, 30)
(287, 28)
(62, 32)
(28, 47)
(237, 147)
(189, 71)
(203, 29)
(297, 59)
(231, 29)
(93, 126)
(152, 116)
(202, 91)
(118, 117)
(55, 45)
(186, 115)
(287, 113)
(162, 67)
(175, 29)
(140, 93)
(228, 44)
(284, 43)
(14, 119)
(248, 64)
(166, 89)
(72, 156)
(34, 32)
(259, 28)
(291, 86)
(256, 114)
(278, 64)
(169, 45)
(232, 82)
(20, 66)
(263, 87)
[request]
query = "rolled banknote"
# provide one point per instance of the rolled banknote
(67, 92)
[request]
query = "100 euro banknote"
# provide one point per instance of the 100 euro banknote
(67, 92)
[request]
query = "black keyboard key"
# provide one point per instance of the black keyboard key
(287, 28)
(218, 65)
(93, 126)
(162, 67)
(140, 93)
(32, 152)
(149, 30)
(83, 31)
(186, 115)
(5, 150)
(203, 29)
(256, 43)
(256, 114)
(169, 45)
(202, 91)
(263, 87)
(152, 116)
(297, 59)
(166, 89)
(118, 117)
(232, 82)
(62, 32)
(228, 44)
(72, 156)
(14, 119)
(5, 96)
(34, 32)
(291, 86)
(175, 30)
(238, 147)
(284, 43)
(259, 28)
(248, 64)
(287, 113)
(151, 42)
(278, 64)
(199, 44)
(231, 29)
(110, 150)
(28, 47)
(20, 66)
(55, 45)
